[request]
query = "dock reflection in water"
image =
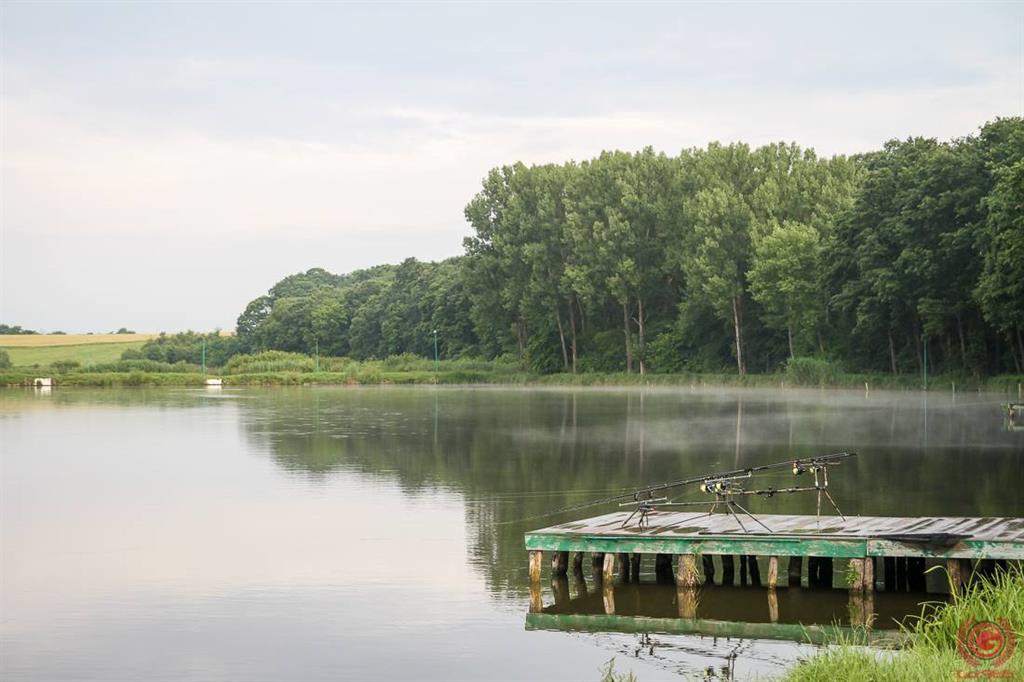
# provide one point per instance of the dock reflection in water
(724, 628)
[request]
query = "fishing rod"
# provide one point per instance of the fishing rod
(646, 495)
(725, 487)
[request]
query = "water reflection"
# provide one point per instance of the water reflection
(519, 454)
(326, 532)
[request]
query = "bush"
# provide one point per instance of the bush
(187, 347)
(65, 366)
(407, 362)
(5, 359)
(812, 371)
(129, 365)
(270, 361)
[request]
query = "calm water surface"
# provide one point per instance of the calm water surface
(376, 533)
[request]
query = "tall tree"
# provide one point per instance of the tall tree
(786, 279)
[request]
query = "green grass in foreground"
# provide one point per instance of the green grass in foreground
(932, 653)
(83, 354)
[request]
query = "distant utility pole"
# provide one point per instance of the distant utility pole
(204, 356)
(435, 351)
(924, 340)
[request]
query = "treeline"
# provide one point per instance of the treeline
(15, 330)
(716, 257)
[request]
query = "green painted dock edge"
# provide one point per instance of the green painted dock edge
(812, 634)
(765, 545)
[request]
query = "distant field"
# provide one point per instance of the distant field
(84, 354)
(87, 349)
(45, 340)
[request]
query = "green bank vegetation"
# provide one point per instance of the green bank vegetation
(284, 368)
(932, 653)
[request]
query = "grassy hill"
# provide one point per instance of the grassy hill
(86, 349)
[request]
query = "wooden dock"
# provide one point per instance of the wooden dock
(692, 548)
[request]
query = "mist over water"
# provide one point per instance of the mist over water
(319, 533)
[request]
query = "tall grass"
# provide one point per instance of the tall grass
(933, 650)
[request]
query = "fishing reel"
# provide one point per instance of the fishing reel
(721, 487)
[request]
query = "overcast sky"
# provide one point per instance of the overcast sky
(162, 165)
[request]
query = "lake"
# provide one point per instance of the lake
(321, 533)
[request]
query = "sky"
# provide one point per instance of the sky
(163, 164)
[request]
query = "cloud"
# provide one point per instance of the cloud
(370, 145)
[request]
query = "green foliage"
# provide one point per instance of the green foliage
(15, 330)
(801, 371)
(5, 359)
(187, 347)
(786, 278)
(722, 256)
(65, 366)
(932, 653)
(608, 673)
(147, 366)
(270, 361)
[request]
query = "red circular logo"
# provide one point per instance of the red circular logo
(985, 641)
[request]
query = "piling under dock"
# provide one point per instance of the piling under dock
(690, 549)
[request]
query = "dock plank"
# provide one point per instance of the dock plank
(856, 536)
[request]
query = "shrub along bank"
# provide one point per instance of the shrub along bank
(283, 368)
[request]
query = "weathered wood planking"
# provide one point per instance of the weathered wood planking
(827, 536)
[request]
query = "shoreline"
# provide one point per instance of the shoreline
(1011, 385)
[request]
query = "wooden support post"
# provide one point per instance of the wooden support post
(795, 571)
(856, 579)
(754, 571)
(634, 566)
(773, 605)
(559, 563)
(560, 589)
(608, 595)
(623, 561)
(686, 571)
(709, 569)
(536, 557)
(859, 610)
(597, 565)
(536, 598)
(773, 574)
(608, 570)
(957, 577)
(728, 570)
(686, 600)
(863, 575)
(579, 583)
(577, 564)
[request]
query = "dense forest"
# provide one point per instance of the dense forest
(719, 257)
